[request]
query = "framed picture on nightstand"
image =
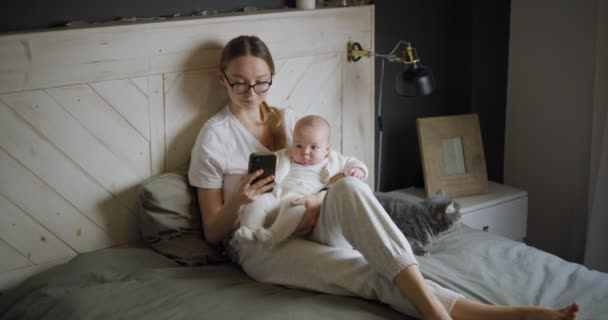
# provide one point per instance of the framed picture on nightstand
(452, 155)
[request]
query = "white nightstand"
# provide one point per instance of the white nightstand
(503, 210)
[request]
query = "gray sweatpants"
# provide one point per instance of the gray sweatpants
(355, 250)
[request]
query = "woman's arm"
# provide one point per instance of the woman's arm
(218, 219)
(218, 215)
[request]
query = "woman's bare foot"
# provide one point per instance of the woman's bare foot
(411, 284)
(566, 313)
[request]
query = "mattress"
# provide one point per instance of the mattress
(138, 283)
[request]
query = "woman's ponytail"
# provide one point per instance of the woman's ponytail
(274, 127)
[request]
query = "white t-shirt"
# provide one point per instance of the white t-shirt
(220, 154)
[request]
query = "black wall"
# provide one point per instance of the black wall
(34, 14)
(465, 43)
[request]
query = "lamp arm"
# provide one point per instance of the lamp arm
(389, 57)
(407, 43)
(421, 80)
(355, 52)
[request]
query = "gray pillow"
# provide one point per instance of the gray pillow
(169, 221)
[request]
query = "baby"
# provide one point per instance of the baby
(306, 167)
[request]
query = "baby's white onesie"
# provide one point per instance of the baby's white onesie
(300, 181)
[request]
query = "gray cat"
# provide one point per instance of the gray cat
(421, 222)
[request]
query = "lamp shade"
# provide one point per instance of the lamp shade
(416, 80)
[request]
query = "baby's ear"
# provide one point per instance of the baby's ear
(450, 208)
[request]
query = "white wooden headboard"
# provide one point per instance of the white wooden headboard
(87, 114)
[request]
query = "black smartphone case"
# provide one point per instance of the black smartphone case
(265, 161)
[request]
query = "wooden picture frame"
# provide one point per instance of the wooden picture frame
(451, 151)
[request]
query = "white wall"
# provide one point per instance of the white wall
(550, 92)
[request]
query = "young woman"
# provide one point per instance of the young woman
(352, 246)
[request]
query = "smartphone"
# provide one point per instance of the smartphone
(263, 160)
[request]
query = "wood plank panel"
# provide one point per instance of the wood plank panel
(61, 129)
(142, 84)
(11, 258)
(156, 104)
(73, 167)
(63, 176)
(107, 125)
(43, 204)
(311, 85)
(190, 99)
(359, 112)
(48, 59)
(308, 85)
(28, 237)
(129, 100)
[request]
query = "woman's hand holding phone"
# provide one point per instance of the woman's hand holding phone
(267, 162)
(249, 190)
(259, 180)
(258, 184)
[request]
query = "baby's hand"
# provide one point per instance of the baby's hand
(357, 173)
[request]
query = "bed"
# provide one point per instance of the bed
(177, 275)
(138, 283)
(97, 219)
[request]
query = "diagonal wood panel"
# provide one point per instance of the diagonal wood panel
(308, 85)
(107, 125)
(288, 74)
(142, 85)
(28, 237)
(32, 195)
(63, 176)
(72, 157)
(45, 132)
(129, 99)
(11, 258)
(190, 99)
(75, 141)
(311, 85)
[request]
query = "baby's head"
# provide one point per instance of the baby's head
(310, 141)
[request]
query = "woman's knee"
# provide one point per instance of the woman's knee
(349, 196)
(349, 185)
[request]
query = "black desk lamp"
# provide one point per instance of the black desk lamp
(415, 80)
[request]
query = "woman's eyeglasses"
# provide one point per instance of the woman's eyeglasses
(240, 88)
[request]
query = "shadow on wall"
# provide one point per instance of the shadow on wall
(191, 97)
